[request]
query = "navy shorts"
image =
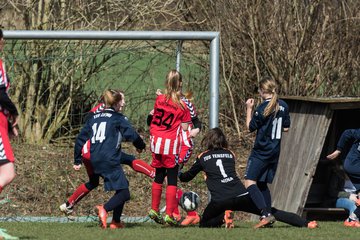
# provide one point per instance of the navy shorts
(115, 180)
(260, 171)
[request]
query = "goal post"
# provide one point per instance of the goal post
(213, 37)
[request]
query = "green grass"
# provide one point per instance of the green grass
(139, 75)
(150, 231)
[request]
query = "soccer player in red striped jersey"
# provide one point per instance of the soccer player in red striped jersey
(170, 118)
(186, 149)
(8, 121)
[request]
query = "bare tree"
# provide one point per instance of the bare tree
(50, 81)
(309, 47)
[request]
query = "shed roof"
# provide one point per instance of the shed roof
(334, 102)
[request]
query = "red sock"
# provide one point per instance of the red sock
(79, 193)
(179, 193)
(156, 191)
(176, 210)
(191, 213)
(142, 167)
(171, 201)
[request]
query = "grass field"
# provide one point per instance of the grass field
(151, 231)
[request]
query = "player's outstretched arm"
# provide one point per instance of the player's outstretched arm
(249, 109)
(333, 155)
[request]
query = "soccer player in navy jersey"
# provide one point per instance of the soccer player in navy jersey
(349, 144)
(269, 120)
(137, 164)
(226, 190)
(8, 122)
(82, 190)
(170, 117)
(106, 130)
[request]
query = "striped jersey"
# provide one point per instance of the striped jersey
(187, 143)
(165, 126)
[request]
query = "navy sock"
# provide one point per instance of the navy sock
(117, 213)
(289, 218)
(265, 191)
(120, 197)
(258, 199)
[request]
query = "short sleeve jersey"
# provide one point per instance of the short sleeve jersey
(269, 130)
(166, 125)
(221, 178)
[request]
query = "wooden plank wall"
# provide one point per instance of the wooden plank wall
(300, 153)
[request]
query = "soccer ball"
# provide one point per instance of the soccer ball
(189, 201)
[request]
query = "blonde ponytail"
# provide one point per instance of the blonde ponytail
(268, 85)
(173, 87)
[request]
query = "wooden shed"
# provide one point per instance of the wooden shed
(303, 173)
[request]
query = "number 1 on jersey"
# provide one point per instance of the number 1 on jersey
(98, 132)
(221, 167)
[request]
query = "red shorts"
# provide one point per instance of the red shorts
(163, 161)
(85, 152)
(6, 153)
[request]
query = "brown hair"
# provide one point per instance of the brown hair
(111, 97)
(214, 139)
(268, 85)
(173, 87)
